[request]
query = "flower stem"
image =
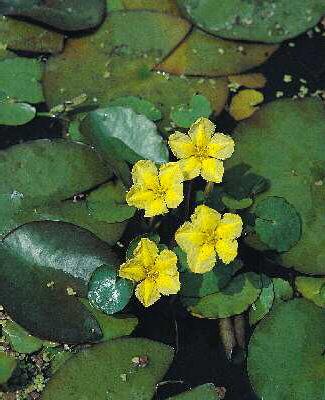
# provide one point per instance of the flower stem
(227, 336)
(208, 189)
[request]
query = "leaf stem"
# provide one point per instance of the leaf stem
(208, 189)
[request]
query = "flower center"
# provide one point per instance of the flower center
(201, 151)
(152, 275)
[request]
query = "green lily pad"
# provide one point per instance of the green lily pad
(23, 36)
(106, 371)
(261, 21)
(235, 298)
(20, 79)
(15, 114)
(108, 292)
(115, 326)
(43, 264)
(286, 353)
(207, 392)
(120, 133)
(55, 169)
(108, 203)
(264, 302)
(68, 15)
(294, 167)
(201, 54)
(185, 115)
(20, 340)
(110, 65)
(7, 367)
(278, 224)
(311, 289)
(138, 105)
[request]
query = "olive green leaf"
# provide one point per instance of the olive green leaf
(110, 370)
(207, 392)
(7, 366)
(138, 105)
(19, 339)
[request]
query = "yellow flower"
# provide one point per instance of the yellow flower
(244, 104)
(207, 236)
(155, 191)
(156, 272)
(201, 151)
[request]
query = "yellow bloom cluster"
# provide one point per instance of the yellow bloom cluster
(207, 236)
(156, 272)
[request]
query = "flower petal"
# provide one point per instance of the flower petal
(205, 219)
(201, 132)
(147, 292)
(227, 250)
(146, 252)
(132, 270)
(212, 170)
(230, 227)
(174, 196)
(145, 173)
(181, 145)
(170, 174)
(188, 236)
(221, 146)
(155, 207)
(139, 197)
(168, 284)
(190, 167)
(202, 259)
(166, 263)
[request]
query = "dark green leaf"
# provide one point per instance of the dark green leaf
(108, 292)
(41, 265)
(106, 371)
(14, 114)
(277, 224)
(286, 353)
(234, 204)
(282, 290)
(264, 302)
(121, 133)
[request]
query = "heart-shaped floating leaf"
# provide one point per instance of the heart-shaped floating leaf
(46, 171)
(15, 114)
(41, 265)
(108, 292)
(185, 115)
(20, 340)
(207, 392)
(20, 79)
(112, 326)
(21, 35)
(234, 299)
(311, 289)
(110, 371)
(108, 203)
(261, 21)
(201, 54)
(69, 15)
(295, 173)
(138, 105)
(286, 353)
(7, 367)
(165, 6)
(264, 302)
(112, 63)
(120, 133)
(277, 224)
